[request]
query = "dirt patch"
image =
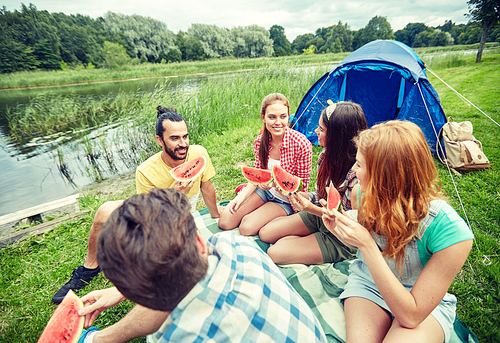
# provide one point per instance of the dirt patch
(114, 186)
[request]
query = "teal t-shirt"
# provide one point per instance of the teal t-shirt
(446, 229)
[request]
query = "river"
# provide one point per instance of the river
(31, 174)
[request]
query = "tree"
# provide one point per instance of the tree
(471, 35)
(216, 41)
(251, 41)
(338, 39)
(357, 39)
(309, 51)
(299, 43)
(190, 47)
(318, 42)
(115, 55)
(44, 54)
(15, 56)
(377, 28)
(447, 26)
(281, 44)
(148, 37)
(173, 55)
(410, 32)
(487, 12)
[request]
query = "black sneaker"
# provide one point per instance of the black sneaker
(80, 278)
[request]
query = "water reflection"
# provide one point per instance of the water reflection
(40, 168)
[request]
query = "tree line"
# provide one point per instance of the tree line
(31, 39)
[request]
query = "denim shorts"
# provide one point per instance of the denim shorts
(268, 196)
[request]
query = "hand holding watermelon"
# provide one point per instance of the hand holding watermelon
(266, 187)
(300, 201)
(183, 186)
(98, 301)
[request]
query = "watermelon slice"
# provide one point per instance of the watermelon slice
(285, 181)
(257, 176)
(66, 324)
(334, 201)
(189, 170)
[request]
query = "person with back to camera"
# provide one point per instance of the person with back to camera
(172, 136)
(255, 206)
(302, 237)
(187, 289)
(411, 243)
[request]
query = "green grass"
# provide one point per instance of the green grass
(477, 287)
(70, 76)
(32, 271)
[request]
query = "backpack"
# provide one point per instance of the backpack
(463, 151)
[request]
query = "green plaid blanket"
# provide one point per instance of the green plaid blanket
(320, 286)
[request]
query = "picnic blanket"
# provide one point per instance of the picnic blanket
(320, 286)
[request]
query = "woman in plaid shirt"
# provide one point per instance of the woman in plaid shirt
(302, 237)
(256, 206)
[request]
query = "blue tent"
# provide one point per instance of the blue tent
(387, 79)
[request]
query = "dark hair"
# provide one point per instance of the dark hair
(264, 141)
(148, 249)
(346, 121)
(166, 114)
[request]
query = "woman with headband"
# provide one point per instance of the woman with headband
(302, 237)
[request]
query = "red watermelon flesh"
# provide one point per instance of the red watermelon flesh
(189, 170)
(66, 324)
(257, 176)
(334, 201)
(285, 181)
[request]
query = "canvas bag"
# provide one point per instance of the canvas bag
(463, 151)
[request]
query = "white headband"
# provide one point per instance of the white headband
(330, 109)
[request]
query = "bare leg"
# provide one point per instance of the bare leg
(229, 221)
(283, 226)
(254, 221)
(428, 331)
(139, 322)
(102, 214)
(296, 249)
(365, 321)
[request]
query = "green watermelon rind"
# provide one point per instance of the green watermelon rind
(256, 169)
(339, 206)
(277, 182)
(175, 170)
(57, 327)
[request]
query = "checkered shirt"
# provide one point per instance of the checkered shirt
(295, 155)
(243, 298)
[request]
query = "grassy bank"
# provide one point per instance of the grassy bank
(210, 111)
(223, 117)
(70, 76)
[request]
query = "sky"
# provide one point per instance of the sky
(296, 16)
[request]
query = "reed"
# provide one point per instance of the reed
(209, 108)
(70, 76)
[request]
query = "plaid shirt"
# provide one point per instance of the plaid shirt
(295, 155)
(243, 298)
(345, 188)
